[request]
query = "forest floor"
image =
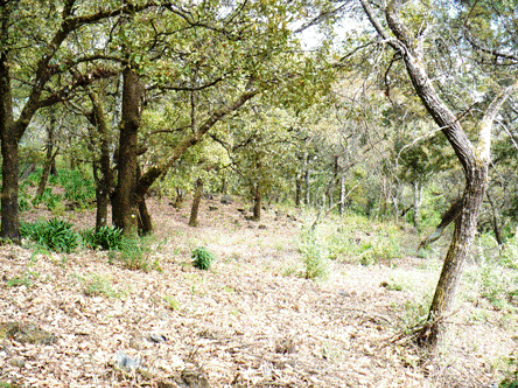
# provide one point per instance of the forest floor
(252, 320)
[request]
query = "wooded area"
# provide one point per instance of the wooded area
(401, 112)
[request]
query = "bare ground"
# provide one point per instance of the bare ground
(250, 321)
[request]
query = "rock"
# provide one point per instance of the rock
(263, 227)
(212, 208)
(157, 338)
(226, 200)
(125, 361)
(195, 378)
(242, 211)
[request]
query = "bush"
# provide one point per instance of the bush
(79, 190)
(315, 257)
(105, 238)
(202, 258)
(134, 254)
(56, 235)
(48, 198)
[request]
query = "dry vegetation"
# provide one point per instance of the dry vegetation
(250, 321)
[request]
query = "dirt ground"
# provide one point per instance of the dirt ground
(250, 321)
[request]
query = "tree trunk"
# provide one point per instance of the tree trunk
(10, 224)
(198, 193)
(125, 210)
(51, 157)
(105, 181)
(145, 220)
(298, 191)
(494, 220)
(342, 194)
(307, 180)
(465, 228)
(417, 203)
(474, 161)
(257, 203)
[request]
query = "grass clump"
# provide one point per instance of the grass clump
(104, 238)
(56, 235)
(202, 258)
(134, 253)
(98, 285)
(315, 257)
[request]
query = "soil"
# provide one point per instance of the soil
(251, 320)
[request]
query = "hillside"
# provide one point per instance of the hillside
(253, 320)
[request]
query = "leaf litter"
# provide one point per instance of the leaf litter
(244, 323)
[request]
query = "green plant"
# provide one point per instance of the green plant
(314, 256)
(78, 189)
(202, 258)
(105, 238)
(98, 285)
(172, 303)
(56, 235)
(51, 200)
(511, 381)
(134, 253)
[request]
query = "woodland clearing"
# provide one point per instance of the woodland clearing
(251, 320)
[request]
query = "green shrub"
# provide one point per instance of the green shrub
(134, 253)
(314, 256)
(202, 258)
(56, 235)
(98, 285)
(48, 198)
(512, 379)
(79, 190)
(105, 238)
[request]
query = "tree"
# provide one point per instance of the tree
(36, 52)
(473, 158)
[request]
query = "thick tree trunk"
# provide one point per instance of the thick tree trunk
(10, 224)
(145, 220)
(125, 210)
(198, 193)
(10, 170)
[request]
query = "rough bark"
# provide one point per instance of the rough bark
(446, 219)
(50, 157)
(145, 221)
(198, 193)
(125, 208)
(256, 216)
(474, 160)
(417, 204)
(105, 181)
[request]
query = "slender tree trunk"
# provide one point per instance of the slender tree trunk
(417, 203)
(494, 220)
(307, 181)
(342, 194)
(105, 181)
(198, 193)
(257, 203)
(474, 161)
(49, 160)
(125, 208)
(298, 191)
(465, 228)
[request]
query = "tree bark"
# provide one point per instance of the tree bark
(50, 157)
(257, 202)
(417, 204)
(198, 193)
(298, 191)
(474, 160)
(125, 209)
(105, 181)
